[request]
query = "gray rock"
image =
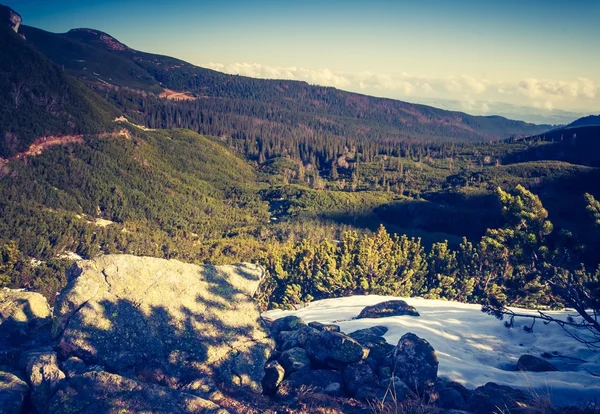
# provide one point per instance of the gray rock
(494, 398)
(73, 366)
(295, 338)
(379, 349)
(377, 330)
(12, 393)
(534, 364)
(334, 389)
(274, 374)
(334, 348)
(164, 320)
(44, 376)
(389, 308)
(450, 398)
(374, 395)
(294, 359)
(102, 392)
(396, 388)
(21, 313)
(287, 323)
(204, 388)
(324, 326)
(317, 380)
(358, 376)
(416, 363)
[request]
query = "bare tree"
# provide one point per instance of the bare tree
(17, 92)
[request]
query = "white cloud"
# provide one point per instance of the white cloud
(581, 93)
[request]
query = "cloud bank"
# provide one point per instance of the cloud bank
(580, 94)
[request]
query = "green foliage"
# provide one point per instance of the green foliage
(516, 254)
(593, 207)
(379, 264)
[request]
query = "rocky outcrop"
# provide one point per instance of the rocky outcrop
(534, 364)
(103, 392)
(387, 309)
(164, 321)
(12, 392)
(8, 15)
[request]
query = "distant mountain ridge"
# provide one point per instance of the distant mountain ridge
(586, 121)
(101, 60)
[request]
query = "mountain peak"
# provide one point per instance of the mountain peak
(97, 37)
(8, 15)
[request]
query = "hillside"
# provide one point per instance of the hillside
(99, 58)
(39, 99)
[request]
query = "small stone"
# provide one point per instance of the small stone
(324, 326)
(377, 330)
(334, 389)
(274, 374)
(396, 387)
(73, 366)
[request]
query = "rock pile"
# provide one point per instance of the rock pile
(360, 365)
(319, 358)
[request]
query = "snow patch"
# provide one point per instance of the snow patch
(475, 348)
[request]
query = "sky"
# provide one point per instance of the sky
(477, 56)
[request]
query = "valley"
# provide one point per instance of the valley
(338, 199)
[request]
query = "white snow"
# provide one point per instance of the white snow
(475, 348)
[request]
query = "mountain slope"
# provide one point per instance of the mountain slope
(352, 114)
(38, 99)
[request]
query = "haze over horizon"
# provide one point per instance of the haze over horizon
(511, 59)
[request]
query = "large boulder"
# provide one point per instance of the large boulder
(494, 398)
(416, 363)
(21, 314)
(395, 307)
(103, 392)
(168, 322)
(44, 376)
(12, 392)
(334, 349)
(534, 364)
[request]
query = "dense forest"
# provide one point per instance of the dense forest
(334, 193)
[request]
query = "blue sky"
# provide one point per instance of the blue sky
(541, 54)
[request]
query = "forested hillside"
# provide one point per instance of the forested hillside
(39, 99)
(296, 177)
(216, 103)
